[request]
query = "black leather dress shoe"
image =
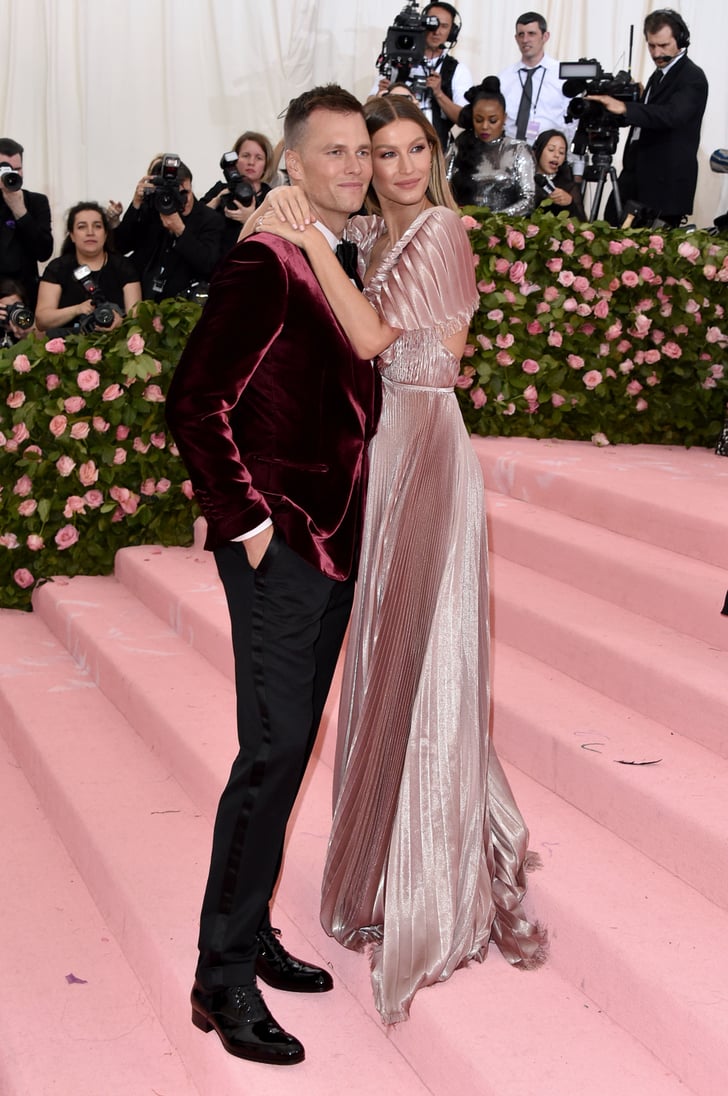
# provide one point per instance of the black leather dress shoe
(243, 1021)
(283, 971)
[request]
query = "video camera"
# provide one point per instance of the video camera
(11, 179)
(104, 310)
(241, 190)
(598, 130)
(164, 194)
(404, 47)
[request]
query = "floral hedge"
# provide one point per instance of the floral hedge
(87, 465)
(595, 333)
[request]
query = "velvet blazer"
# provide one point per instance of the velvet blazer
(271, 409)
(664, 159)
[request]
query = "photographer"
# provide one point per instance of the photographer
(247, 181)
(660, 166)
(25, 222)
(437, 79)
(16, 318)
(63, 301)
(174, 240)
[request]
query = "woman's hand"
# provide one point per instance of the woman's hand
(302, 237)
(560, 197)
(290, 204)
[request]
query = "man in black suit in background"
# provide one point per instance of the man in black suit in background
(660, 166)
(25, 223)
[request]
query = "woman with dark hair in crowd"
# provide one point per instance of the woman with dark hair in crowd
(63, 302)
(555, 181)
(486, 168)
(256, 165)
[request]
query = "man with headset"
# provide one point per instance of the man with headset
(660, 165)
(447, 80)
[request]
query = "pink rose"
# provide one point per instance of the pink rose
(541, 307)
(495, 314)
(515, 239)
(555, 338)
(502, 266)
(140, 446)
(163, 485)
(148, 487)
(557, 400)
(528, 365)
(57, 425)
(680, 329)
(666, 309)
(652, 380)
(468, 350)
(23, 486)
(66, 536)
(718, 371)
(616, 247)
(187, 489)
(55, 346)
(647, 274)
(532, 230)
(74, 505)
(634, 388)
(52, 381)
(88, 473)
(709, 271)
(583, 310)
(550, 294)
(119, 456)
(8, 540)
(15, 400)
(555, 264)
(600, 439)
(592, 379)
(21, 364)
(504, 341)
(485, 342)
(575, 361)
(581, 284)
(657, 243)
(671, 350)
(641, 405)
(571, 304)
(567, 246)
(510, 409)
(597, 270)
(88, 379)
(122, 432)
(653, 356)
(565, 278)
(27, 508)
(153, 393)
(100, 425)
(80, 430)
(715, 335)
(22, 577)
(112, 393)
(463, 381)
(74, 404)
(65, 465)
(604, 350)
(486, 287)
(93, 498)
(588, 234)
(657, 336)
(34, 542)
(135, 344)
(586, 261)
(629, 278)
(517, 272)
(623, 346)
(610, 373)
(642, 324)
(534, 328)
(467, 222)
(503, 358)
(709, 382)
(20, 434)
(530, 393)
(93, 356)
(478, 397)
(688, 251)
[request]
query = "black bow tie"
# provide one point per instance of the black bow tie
(346, 253)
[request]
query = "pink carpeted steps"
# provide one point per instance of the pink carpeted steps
(116, 701)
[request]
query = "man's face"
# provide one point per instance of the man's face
(333, 165)
(437, 38)
(531, 41)
(662, 46)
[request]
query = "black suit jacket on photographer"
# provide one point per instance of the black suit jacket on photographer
(185, 259)
(661, 166)
(25, 243)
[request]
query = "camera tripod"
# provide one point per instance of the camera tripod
(598, 172)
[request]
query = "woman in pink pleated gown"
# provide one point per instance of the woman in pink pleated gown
(427, 855)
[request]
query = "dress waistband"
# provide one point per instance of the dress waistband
(417, 387)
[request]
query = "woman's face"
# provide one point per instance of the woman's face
(251, 161)
(401, 162)
(552, 155)
(88, 234)
(489, 119)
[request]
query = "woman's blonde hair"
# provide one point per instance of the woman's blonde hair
(383, 111)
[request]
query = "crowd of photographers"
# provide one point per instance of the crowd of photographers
(525, 137)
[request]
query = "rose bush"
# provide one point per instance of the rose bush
(594, 333)
(87, 466)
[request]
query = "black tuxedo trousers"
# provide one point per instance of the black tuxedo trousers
(288, 624)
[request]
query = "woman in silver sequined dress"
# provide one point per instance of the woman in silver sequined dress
(484, 167)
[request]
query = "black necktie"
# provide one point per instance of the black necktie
(524, 107)
(346, 253)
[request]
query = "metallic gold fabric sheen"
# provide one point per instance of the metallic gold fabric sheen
(426, 856)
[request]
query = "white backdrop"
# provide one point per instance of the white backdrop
(94, 88)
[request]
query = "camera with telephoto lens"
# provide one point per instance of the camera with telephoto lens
(598, 129)
(404, 47)
(241, 190)
(165, 195)
(11, 179)
(18, 314)
(104, 310)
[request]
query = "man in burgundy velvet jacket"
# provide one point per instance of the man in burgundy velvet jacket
(272, 413)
